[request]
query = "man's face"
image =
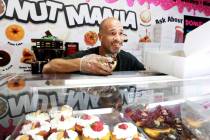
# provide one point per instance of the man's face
(112, 37)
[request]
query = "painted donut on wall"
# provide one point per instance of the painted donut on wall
(15, 32)
(4, 58)
(90, 38)
(28, 56)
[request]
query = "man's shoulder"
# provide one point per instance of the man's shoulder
(93, 50)
(129, 61)
(125, 54)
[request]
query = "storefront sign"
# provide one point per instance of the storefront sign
(192, 22)
(47, 11)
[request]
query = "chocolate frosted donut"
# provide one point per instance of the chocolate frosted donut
(4, 58)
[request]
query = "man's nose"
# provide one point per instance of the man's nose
(118, 37)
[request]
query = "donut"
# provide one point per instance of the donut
(4, 58)
(90, 38)
(14, 32)
(112, 63)
(16, 84)
(27, 56)
(194, 123)
(155, 133)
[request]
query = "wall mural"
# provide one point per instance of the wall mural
(200, 5)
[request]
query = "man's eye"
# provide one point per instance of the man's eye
(113, 33)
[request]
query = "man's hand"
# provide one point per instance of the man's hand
(95, 64)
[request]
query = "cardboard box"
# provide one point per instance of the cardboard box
(197, 41)
(192, 61)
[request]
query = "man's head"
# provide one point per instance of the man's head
(111, 35)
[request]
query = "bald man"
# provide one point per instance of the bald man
(101, 60)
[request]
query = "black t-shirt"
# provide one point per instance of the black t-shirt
(125, 60)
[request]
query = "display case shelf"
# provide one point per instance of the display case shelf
(25, 93)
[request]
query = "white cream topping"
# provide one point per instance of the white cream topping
(34, 137)
(89, 132)
(66, 107)
(27, 128)
(63, 125)
(53, 112)
(85, 123)
(66, 112)
(34, 117)
(71, 134)
(140, 138)
(125, 133)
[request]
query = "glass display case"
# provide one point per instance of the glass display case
(21, 94)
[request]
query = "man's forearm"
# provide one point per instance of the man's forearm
(62, 66)
(91, 64)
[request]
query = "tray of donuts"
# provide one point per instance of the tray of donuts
(159, 121)
(62, 123)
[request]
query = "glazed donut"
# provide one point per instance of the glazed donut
(15, 32)
(4, 58)
(16, 84)
(193, 122)
(155, 133)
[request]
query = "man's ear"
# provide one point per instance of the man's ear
(99, 36)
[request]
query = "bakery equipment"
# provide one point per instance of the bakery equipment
(45, 49)
(71, 48)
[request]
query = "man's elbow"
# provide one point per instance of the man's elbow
(46, 69)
